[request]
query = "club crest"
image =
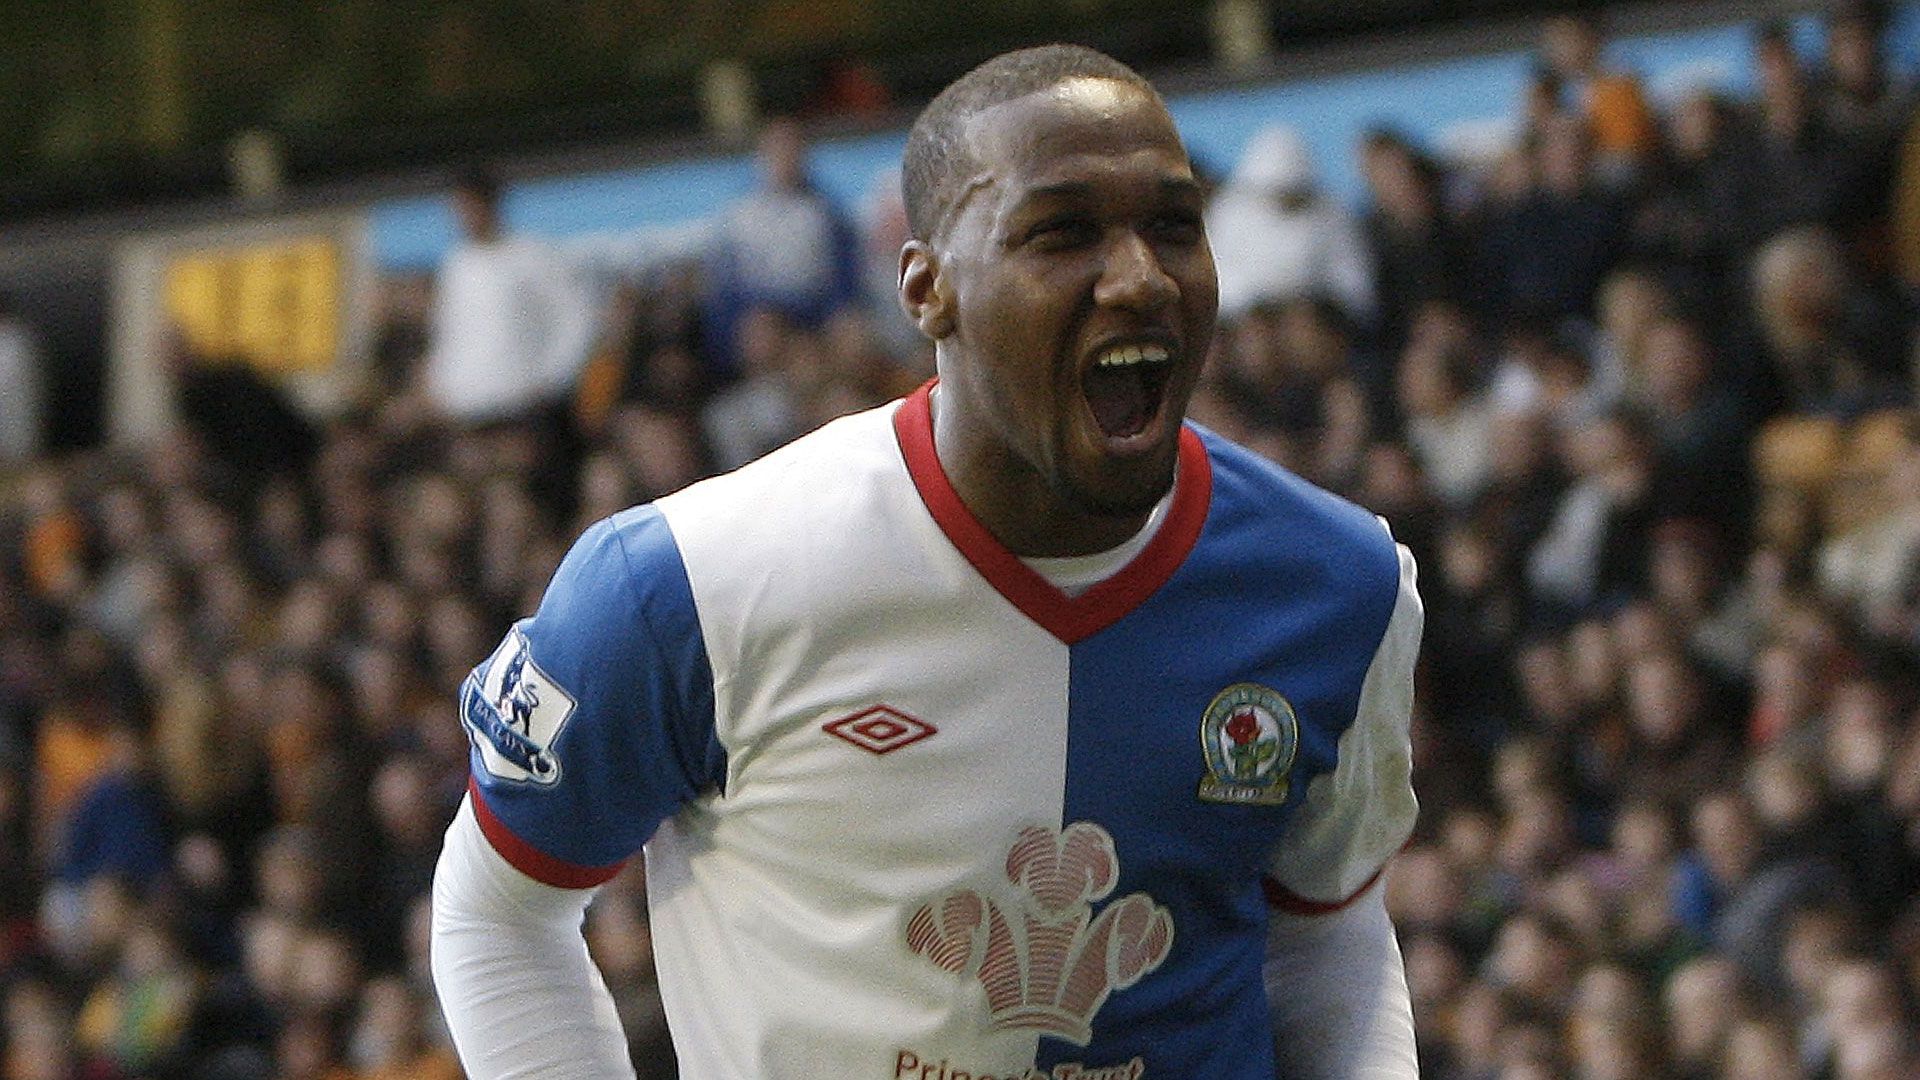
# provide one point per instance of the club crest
(1248, 738)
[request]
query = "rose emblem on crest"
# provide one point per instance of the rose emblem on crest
(1248, 737)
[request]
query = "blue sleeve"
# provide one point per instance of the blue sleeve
(593, 720)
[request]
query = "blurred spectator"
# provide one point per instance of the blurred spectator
(1631, 300)
(512, 320)
(1545, 254)
(1875, 566)
(1800, 170)
(22, 386)
(1678, 749)
(1721, 860)
(763, 409)
(1542, 369)
(39, 1043)
(1829, 346)
(1447, 419)
(783, 247)
(245, 421)
(1694, 215)
(1760, 1047)
(135, 1021)
(1701, 1001)
(1702, 431)
(883, 232)
(1863, 1026)
(1596, 546)
(1607, 100)
(116, 826)
(621, 943)
(1293, 377)
(1866, 110)
(391, 1037)
(1276, 236)
(1417, 253)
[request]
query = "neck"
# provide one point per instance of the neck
(1015, 502)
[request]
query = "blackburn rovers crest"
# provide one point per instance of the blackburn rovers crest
(1248, 737)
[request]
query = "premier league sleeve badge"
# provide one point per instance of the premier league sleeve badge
(1248, 738)
(513, 711)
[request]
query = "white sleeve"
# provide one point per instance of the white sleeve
(1337, 991)
(1357, 815)
(521, 996)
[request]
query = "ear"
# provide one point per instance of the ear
(923, 292)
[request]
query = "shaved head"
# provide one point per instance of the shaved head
(938, 159)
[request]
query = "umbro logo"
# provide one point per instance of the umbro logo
(881, 729)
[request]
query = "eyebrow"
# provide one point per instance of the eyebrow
(1181, 187)
(1176, 186)
(1070, 189)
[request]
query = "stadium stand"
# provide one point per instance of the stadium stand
(1640, 392)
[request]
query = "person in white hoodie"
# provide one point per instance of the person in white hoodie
(1277, 236)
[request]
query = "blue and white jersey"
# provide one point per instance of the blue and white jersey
(910, 811)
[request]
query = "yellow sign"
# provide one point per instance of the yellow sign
(275, 304)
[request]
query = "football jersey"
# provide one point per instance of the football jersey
(911, 811)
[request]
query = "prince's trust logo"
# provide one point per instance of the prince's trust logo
(1046, 962)
(908, 1066)
(1248, 738)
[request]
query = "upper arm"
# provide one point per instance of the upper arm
(593, 719)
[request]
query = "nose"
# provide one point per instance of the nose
(1132, 277)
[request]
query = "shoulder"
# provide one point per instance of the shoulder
(808, 471)
(1273, 534)
(1251, 492)
(835, 473)
(616, 572)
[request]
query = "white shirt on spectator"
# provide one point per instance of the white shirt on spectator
(1565, 564)
(513, 323)
(1455, 450)
(782, 242)
(20, 404)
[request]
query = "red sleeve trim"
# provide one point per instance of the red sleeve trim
(530, 860)
(1070, 618)
(1292, 903)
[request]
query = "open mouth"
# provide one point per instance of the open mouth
(1125, 387)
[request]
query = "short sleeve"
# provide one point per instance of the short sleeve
(593, 720)
(1358, 814)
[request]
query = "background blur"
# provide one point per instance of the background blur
(126, 100)
(325, 328)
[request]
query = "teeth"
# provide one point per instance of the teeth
(1128, 355)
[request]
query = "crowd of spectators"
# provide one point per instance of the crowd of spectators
(1639, 391)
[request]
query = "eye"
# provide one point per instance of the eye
(1064, 231)
(1182, 226)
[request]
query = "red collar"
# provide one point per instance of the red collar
(1070, 618)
